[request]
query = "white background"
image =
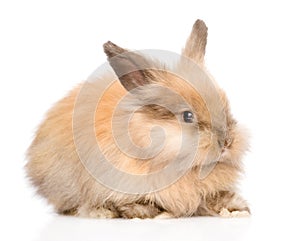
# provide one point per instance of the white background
(253, 51)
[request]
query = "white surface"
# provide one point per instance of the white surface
(253, 52)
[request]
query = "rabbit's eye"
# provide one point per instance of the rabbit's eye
(188, 116)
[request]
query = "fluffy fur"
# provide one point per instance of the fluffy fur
(58, 174)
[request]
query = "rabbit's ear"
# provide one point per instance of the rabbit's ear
(130, 67)
(196, 43)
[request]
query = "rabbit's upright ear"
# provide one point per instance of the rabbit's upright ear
(130, 67)
(196, 43)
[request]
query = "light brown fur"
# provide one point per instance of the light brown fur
(56, 170)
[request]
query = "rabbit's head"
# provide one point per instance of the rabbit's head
(174, 114)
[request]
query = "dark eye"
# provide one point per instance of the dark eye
(188, 116)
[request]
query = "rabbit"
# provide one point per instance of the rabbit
(139, 95)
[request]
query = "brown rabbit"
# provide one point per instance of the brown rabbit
(145, 141)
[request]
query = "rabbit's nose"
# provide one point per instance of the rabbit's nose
(228, 142)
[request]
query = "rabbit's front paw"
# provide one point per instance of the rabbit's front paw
(225, 213)
(164, 215)
(227, 204)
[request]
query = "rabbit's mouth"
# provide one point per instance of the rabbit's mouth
(227, 157)
(208, 166)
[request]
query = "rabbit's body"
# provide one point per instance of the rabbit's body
(59, 174)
